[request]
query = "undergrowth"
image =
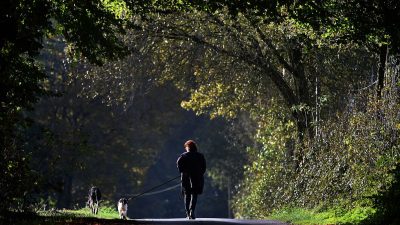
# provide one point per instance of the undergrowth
(355, 216)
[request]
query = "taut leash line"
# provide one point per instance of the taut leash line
(143, 193)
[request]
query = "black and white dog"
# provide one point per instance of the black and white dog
(123, 208)
(94, 199)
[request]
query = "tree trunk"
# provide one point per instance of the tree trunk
(302, 89)
(303, 116)
(383, 51)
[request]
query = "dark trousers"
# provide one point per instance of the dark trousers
(190, 202)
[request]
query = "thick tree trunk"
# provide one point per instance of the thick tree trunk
(301, 118)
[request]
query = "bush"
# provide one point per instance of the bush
(16, 180)
(336, 215)
(387, 202)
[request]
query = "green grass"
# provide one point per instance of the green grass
(79, 216)
(105, 212)
(331, 216)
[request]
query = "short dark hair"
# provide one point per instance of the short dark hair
(192, 145)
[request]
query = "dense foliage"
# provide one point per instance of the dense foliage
(350, 162)
(323, 102)
(90, 27)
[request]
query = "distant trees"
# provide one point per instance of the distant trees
(103, 126)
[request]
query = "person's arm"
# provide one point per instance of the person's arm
(179, 164)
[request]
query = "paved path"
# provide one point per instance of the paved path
(208, 221)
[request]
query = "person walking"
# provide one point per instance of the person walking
(192, 166)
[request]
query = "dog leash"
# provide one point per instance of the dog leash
(158, 192)
(147, 191)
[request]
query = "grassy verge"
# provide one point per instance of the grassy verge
(104, 213)
(331, 216)
(70, 217)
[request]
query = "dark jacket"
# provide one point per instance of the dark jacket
(192, 167)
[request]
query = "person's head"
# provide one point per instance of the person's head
(190, 146)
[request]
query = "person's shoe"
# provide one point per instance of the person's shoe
(192, 216)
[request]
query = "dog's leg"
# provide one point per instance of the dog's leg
(97, 208)
(92, 206)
